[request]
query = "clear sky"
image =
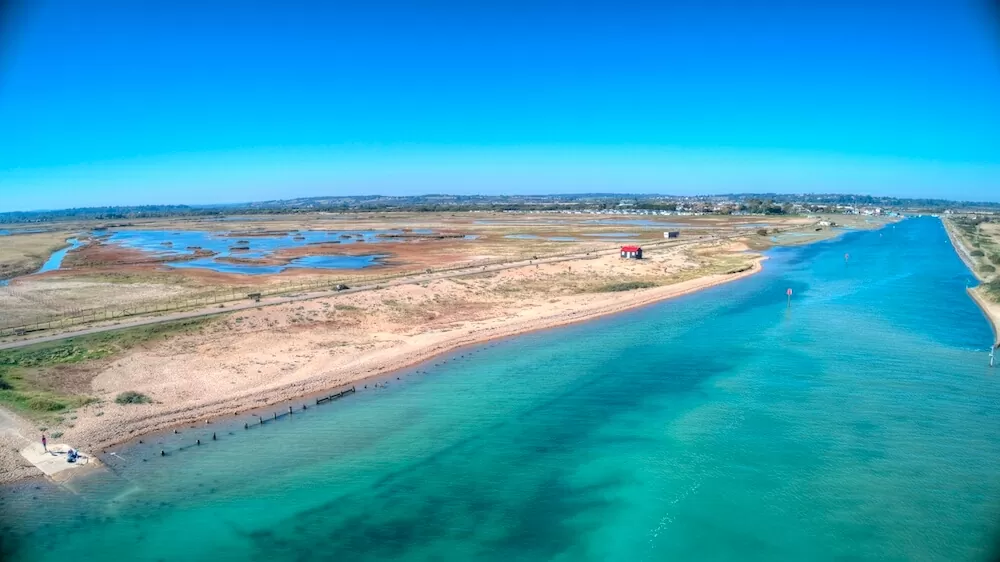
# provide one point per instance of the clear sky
(201, 102)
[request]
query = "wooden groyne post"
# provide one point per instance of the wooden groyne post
(336, 396)
(274, 416)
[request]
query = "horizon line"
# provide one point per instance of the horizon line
(599, 194)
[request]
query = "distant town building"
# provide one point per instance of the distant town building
(672, 234)
(632, 252)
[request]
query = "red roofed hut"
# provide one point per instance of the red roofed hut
(633, 252)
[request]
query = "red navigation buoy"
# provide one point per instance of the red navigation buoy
(847, 257)
(789, 293)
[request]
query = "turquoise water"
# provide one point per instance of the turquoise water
(861, 424)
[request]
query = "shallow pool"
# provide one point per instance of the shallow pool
(305, 262)
(55, 260)
(253, 245)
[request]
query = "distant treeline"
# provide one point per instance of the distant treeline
(106, 213)
(764, 203)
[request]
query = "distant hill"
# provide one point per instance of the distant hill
(770, 203)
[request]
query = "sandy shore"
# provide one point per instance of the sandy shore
(193, 380)
(409, 351)
(960, 249)
(990, 309)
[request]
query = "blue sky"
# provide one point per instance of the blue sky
(203, 102)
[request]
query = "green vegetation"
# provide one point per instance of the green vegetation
(31, 377)
(992, 290)
(624, 286)
(40, 404)
(981, 233)
(132, 397)
(46, 355)
(765, 207)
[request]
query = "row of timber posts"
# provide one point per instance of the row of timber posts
(261, 420)
(335, 396)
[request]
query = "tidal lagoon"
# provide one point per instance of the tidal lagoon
(253, 245)
(857, 423)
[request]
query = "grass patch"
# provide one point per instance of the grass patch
(94, 346)
(992, 290)
(977, 253)
(739, 269)
(624, 286)
(48, 355)
(987, 268)
(132, 397)
(40, 404)
(29, 375)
